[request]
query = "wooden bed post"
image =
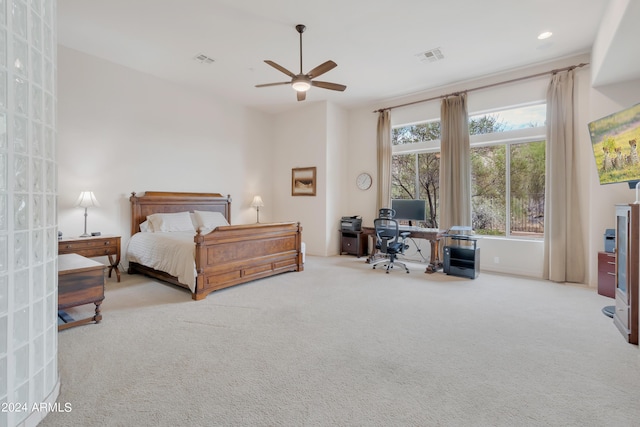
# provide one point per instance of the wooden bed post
(135, 212)
(299, 247)
(200, 262)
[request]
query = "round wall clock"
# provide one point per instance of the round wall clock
(363, 181)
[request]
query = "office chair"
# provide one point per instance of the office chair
(389, 240)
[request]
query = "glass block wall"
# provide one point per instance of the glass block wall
(28, 222)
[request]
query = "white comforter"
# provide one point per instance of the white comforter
(173, 253)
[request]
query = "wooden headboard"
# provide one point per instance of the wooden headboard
(168, 202)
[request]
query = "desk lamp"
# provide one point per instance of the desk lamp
(257, 203)
(86, 200)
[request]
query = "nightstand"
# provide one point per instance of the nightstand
(94, 246)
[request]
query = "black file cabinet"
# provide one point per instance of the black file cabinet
(462, 258)
(353, 243)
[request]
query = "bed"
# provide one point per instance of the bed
(223, 256)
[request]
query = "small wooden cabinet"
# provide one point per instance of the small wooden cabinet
(80, 282)
(353, 243)
(92, 247)
(607, 274)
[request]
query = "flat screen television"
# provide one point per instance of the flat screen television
(614, 140)
(409, 210)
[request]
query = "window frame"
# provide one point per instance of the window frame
(514, 137)
(506, 138)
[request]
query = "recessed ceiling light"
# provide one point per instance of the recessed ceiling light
(545, 35)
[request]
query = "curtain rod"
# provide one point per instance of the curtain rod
(572, 67)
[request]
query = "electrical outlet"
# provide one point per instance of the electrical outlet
(496, 260)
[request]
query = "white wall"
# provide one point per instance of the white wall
(122, 131)
(337, 178)
(524, 257)
(313, 134)
(606, 100)
(301, 141)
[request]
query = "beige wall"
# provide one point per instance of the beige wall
(602, 198)
(522, 257)
(314, 134)
(122, 131)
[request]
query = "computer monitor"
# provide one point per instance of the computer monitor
(409, 209)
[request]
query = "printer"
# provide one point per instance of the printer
(351, 223)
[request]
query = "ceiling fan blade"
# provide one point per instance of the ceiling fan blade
(280, 68)
(321, 69)
(327, 85)
(302, 96)
(273, 84)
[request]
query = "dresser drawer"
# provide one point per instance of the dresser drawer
(607, 274)
(90, 248)
(607, 262)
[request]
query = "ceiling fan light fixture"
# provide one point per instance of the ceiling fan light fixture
(301, 84)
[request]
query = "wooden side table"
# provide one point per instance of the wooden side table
(91, 247)
(80, 282)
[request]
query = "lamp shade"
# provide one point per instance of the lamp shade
(257, 202)
(86, 200)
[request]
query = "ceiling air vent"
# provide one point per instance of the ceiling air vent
(204, 59)
(431, 55)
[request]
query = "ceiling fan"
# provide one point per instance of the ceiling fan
(302, 82)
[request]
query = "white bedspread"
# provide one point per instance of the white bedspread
(173, 253)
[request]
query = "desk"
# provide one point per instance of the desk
(431, 234)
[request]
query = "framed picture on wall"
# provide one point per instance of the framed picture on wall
(303, 181)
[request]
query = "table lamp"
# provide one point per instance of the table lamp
(257, 203)
(86, 200)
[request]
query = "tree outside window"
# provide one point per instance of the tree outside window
(416, 175)
(507, 158)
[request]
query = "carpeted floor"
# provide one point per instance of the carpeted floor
(341, 344)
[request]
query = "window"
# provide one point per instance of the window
(507, 167)
(415, 166)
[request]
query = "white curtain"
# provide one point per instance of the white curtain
(455, 163)
(384, 161)
(563, 243)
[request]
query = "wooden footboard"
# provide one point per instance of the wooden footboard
(229, 255)
(237, 254)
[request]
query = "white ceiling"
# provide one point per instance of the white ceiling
(374, 43)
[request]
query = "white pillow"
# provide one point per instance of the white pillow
(210, 220)
(146, 227)
(180, 221)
